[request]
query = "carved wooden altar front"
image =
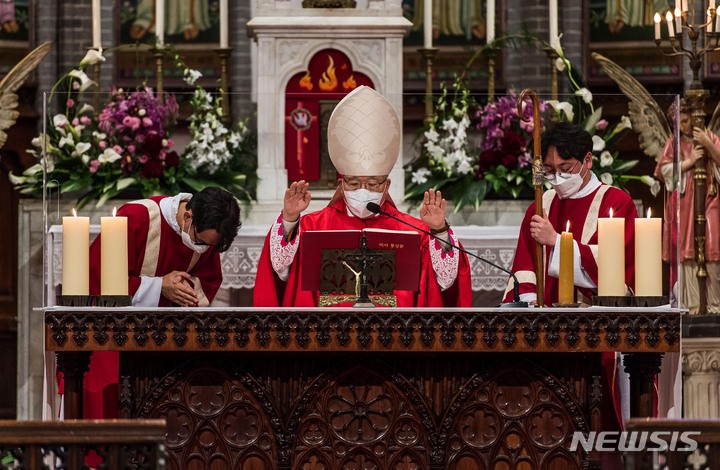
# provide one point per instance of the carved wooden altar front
(341, 388)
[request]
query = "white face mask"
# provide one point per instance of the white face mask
(566, 185)
(358, 200)
(187, 241)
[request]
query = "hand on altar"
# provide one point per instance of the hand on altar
(297, 199)
(432, 211)
(542, 230)
(177, 289)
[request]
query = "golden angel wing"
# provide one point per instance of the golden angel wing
(648, 120)
(10, 84)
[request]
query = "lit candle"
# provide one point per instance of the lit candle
(669, 19)
(224, 19)
(160, 22)
(566, 289)
(611, 256)
(76, 255)
(708, 26)
(490, 22)
(97, 43)
(657, 26)
(684, 6)
(648, 256)
(554, 41)
(113, 255)
(717, 22)
(678, 20)
(427, 21)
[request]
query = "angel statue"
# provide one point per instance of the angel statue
(12, 82)
(657, 140)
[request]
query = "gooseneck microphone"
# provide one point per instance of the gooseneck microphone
(516, 303)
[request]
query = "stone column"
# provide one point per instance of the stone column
(701, 378)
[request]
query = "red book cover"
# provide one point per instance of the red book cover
(405, 244)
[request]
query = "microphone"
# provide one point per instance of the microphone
(516, 303)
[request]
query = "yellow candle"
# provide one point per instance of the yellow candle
(76, 255)
(113, 255)
(611, 256)
(648, 256)
(566, 289)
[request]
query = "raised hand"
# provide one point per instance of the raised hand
(297, 199)
(432, 211)
(177, 289)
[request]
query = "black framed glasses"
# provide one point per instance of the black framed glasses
(197, 241)
(370, 185)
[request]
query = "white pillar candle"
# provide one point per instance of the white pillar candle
(96, 29)
(648, 256)
(657, 26)
(669, 19)
(76, 255)
(554, 41)
(490, 22)
(113, 255)
(611, 256)
(678, 21)
(427, 24)
(224, 22)
(160, 22)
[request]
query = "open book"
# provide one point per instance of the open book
(403, 245)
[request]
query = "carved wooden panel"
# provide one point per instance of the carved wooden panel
(213, 420)
(370, 411)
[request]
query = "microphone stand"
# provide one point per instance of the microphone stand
(516, 303)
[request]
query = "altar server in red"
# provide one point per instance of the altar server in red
(174, 246)
(364, 136)
(576, 196)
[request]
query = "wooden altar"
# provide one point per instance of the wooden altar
(342, 388)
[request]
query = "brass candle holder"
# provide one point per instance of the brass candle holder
(224, 54)
(428, 54)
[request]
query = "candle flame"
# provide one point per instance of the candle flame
(657, 17)
(649, 212)
(74, 212)
(114, 211)
(669, 16)
(567, 226)
(611, 213)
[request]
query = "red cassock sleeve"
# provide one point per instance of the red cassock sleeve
(271, 291)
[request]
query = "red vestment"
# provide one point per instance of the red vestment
(154, 249)
(583, 214)
(271, 291)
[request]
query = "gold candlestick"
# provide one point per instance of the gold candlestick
(553, 56)
(224, 54)
(491, 52)
(428, 54)
(159, 54)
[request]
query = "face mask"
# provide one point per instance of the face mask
(187, 241)
(566, 185)
(358, 200)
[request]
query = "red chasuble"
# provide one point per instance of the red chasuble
(582, 214)
(154, 249)
(270, 291)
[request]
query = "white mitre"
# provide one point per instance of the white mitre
(364, 134)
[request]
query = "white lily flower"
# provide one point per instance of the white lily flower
(15, 180)
(655, 188)
(625, 123)
(598, 143)
(93, 56)
(191, 76)
(60, 121)
(66, 140)
(606, 178)
(585, 94)
(420, 176)
(86, 108)
(109, 156)
(560, 64)
(85, 81)
(81, 148)
(606, 159)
